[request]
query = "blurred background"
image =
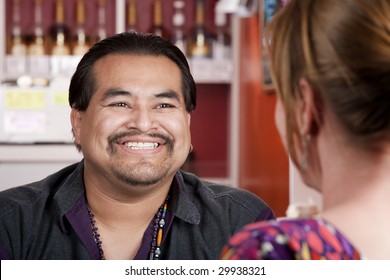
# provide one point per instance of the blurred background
(233, 133)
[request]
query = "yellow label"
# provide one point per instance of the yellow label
(24, 99)
(60, 98)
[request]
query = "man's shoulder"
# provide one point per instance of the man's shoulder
(21, 195)
(217, 189)
(228, 197)
(30, 194)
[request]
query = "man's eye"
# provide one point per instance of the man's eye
(164, 105)
(120, 104)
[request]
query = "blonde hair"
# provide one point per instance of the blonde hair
(342, 47)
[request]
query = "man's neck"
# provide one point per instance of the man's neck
(125, 215)
(121, 224)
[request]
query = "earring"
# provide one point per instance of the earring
(305, 139)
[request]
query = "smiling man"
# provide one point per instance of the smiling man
(131, 96)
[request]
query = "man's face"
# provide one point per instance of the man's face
(136, 129)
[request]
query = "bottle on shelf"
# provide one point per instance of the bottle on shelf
(38, 45)
(59, 32)
(81, 40)
(16, 45)
(200, 40)
(131, 16)
(157, 24)
(178, 20)
(222, 40)
(38, 63)
(101, 31)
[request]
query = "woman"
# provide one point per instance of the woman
(330, 61)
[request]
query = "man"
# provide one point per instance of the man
(131, 99)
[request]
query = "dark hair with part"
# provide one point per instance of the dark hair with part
(83, 83)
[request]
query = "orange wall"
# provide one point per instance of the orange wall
(263, 161)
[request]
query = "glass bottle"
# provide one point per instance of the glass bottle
(178, 21)
(131, 16)
(59, 32)
(81, 41)
(101, 32)
(200, 40)
(17, 45)
(157, 25)
(38, 44)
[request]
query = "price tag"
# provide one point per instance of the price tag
(24, 99)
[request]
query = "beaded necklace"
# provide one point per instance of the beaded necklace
(155, 245)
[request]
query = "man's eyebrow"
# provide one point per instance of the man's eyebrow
(169, 94)
(114, 92)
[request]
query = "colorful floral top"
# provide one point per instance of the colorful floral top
(290, 239)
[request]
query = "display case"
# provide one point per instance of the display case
(35, 133)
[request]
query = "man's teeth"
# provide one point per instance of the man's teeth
(141, 145)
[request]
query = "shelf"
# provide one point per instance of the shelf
(203, 70)
(39, 153)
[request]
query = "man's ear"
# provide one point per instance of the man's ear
(307, 112)
(189, 119)
(75, 119)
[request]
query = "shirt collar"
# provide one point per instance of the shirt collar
(69, 193)
(183, 206)
(73, 187)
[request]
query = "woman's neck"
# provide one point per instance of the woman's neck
(356, 192)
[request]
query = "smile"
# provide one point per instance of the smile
(141, 145)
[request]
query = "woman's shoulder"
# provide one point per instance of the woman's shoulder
(290, 239)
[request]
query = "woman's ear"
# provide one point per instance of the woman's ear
(307, 111)
(75, 119)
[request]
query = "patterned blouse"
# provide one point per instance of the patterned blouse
(290, 239)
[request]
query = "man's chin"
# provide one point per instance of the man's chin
(141, 177)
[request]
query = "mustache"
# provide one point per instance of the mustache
(113, 139)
